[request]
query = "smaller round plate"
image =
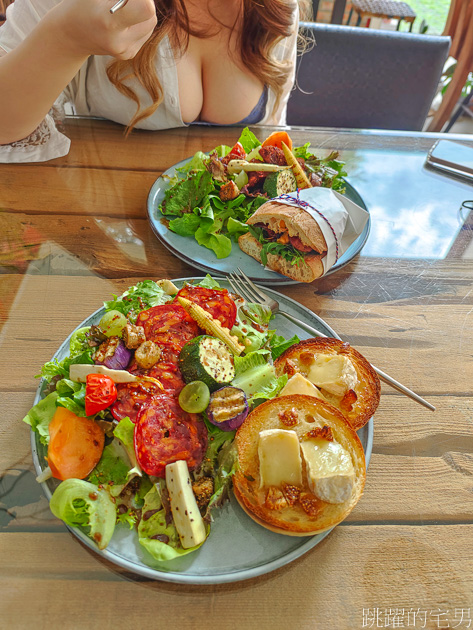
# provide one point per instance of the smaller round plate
(188, 250)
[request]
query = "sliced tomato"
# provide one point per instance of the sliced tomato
(164, 434)
(75, 445)
(168, 325)
(217, 302)
(298, 244)
(100, 393)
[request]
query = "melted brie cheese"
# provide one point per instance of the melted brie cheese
(330, 471)
(333, 372)
(279, 458)
(298, 384)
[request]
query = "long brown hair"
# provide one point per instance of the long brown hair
(264, 24)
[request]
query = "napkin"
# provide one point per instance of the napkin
(340, 219)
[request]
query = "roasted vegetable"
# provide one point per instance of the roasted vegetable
(301, 177)
(113, 354)
(227, 408)
(211, 325)
(280, 183)
(207, 359)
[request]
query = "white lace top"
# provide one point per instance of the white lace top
(92, 94)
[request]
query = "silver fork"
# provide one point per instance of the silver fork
(243, 286)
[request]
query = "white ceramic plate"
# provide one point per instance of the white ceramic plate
(188, 250)
(237, 548)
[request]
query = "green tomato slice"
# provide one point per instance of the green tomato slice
(194, 397)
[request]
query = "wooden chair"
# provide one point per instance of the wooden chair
(366, 78)
(385, 9)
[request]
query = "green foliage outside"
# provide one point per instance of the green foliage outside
(433, 12)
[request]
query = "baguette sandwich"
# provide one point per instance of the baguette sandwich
(301, 467)
(286, 239)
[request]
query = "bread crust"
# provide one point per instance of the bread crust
(308, 270)
(298, 222)
(294, 520)
(367, 390)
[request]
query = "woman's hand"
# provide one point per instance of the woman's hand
(86, 27)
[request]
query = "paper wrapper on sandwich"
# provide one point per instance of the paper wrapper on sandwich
(321, 218)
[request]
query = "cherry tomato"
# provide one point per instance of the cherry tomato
(237, 152)
(75, 445)
(100, 393)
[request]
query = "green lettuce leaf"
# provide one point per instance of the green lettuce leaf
(270, 389)
(80, 503)
(330, 169)
(155, 525)
(125, 431)
(61, 368)
(41, 415)
(226, 465)
(256, 376)
(236, 228)
(221, 245)
(248, 140)
(185, 225)
(71, 395)
(208, 283)
(257, 313)
(197, 163)
(288, 252)
(112, 468)
(141, 296)
(222, 150)
(187, 194)
(280, 344)
(78, 343)
(129, 518)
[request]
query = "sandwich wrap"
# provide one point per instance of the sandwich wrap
(340, 219)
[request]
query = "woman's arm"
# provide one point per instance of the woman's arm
(34, 74)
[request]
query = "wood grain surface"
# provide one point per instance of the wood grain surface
(73, 232)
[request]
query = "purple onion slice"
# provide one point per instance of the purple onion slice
(113, 354)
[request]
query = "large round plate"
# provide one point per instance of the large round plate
(237, 548)
(188, 250)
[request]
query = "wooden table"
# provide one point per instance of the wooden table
(75, 230)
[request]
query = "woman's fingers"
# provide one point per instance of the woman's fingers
(134, 12)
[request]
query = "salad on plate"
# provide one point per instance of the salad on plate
(139, 419)
(211, 197)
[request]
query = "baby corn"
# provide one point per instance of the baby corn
(301, 178)
(210, 325)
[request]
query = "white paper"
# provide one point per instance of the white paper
(345, 218)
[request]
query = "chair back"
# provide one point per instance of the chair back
(366, 78)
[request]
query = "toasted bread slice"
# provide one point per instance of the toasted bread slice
(308, 515)
(308, 270)
(360, 401)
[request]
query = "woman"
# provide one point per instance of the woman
(151, 65)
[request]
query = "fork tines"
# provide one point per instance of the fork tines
(239, 287)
